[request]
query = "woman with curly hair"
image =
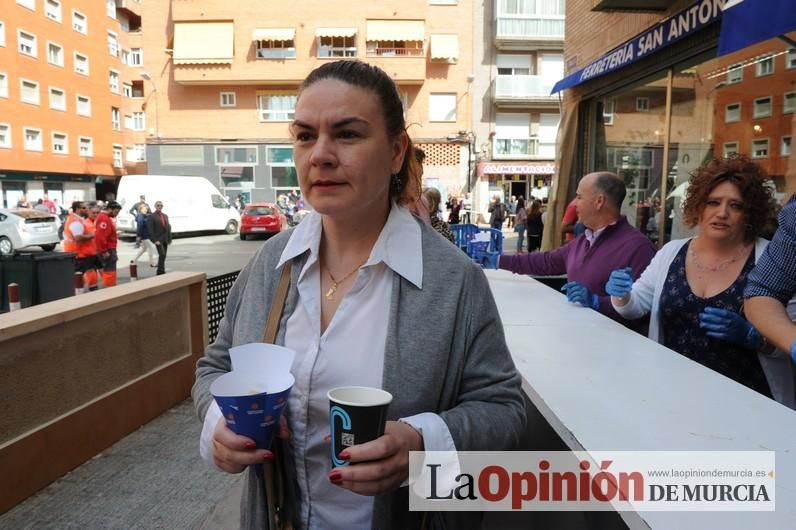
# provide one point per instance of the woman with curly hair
(693, 288)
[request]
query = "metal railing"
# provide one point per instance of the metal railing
(523, 86)
(530, 26)
(395, 52)
(217, 291)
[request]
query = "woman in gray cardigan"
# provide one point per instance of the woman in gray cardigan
(374, 300)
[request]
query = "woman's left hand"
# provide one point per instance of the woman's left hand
(728, 326)
(382, 465)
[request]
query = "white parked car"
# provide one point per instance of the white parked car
(22, 227)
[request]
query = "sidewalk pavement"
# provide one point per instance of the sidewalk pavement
(153, 478)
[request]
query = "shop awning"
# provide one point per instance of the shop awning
(747, 22)
(277, 34)
(411, 30)
(516, 168)
(445, 47)
(335, 32)
(203, 43)
(685, 23)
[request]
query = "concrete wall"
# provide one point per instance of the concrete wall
(78, 374)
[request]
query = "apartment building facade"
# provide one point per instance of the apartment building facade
(67, 78)
(648, 97)
(521, 43)
(224, 79)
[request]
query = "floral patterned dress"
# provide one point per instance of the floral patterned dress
(680, 309)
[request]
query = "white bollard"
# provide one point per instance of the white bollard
(13, 297)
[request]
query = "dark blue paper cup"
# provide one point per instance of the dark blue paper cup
(247, 409)
(357, 414)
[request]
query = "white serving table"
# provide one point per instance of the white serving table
(601, 386)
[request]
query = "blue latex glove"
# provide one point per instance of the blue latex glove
(620, 282)
(793, 351)
(729, 326)
(577, 293)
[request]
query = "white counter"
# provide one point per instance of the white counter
(603, 387)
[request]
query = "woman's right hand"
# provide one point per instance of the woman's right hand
(233, 452)
(620, 283)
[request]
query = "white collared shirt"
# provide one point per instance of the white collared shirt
(350, 352)
(592, 235)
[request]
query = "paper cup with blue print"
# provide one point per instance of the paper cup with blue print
(253, 396)
(357, 414)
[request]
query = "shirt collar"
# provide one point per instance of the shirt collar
(399, 245)
(591, 236)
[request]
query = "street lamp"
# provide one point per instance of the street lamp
(146, 77)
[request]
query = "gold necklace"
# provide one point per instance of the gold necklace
(716, 268)
(335, 283)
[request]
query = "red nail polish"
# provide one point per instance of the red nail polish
(344, 455)
(268, 457)
(335, 477)
(251, 445)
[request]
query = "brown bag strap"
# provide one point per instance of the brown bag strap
(272, 475)
(278, 304)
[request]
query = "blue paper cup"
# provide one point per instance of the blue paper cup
(248, 408)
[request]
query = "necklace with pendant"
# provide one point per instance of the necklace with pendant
(335, 283)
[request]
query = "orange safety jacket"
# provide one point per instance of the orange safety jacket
(85, 248)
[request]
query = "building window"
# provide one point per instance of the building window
(276, 107)
(789, 103)
(125, 57)
(784, 146)
(760, 148)
(139, 121)
(764, 66)
(110, 8)
(732, 113)
(281, 167)
(83, 105)
(136, 153)
(513, 135)
(395, 48)
(236, 155)
(85, 146)
(331, 46)
(227, 99)
(55, 54)
(735, 74)
(81, 64)
(5, 135)
(136, 57)
(30, 4)
(27, 43)
(113, 44)
(3, 85)
(60, 143)
(729, 149)
(790, 59)
(127, 90)
(182, 155)
(138, 89)
(762, 108)
(113, 81)
(2, 34)
(642, 104)
(52, 9)
(29, 91)
(609, 105)
(116, 119)
(79, 22)
(117, 156)
(442, 107)
(276, 49)
(33, 141)
(57, 99)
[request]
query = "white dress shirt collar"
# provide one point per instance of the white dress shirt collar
(399, 245)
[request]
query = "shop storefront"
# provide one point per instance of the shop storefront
(61, 188)
(655, 107)
(518, 179)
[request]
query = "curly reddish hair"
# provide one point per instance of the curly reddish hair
(758, 200)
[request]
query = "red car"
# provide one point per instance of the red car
(261, 218)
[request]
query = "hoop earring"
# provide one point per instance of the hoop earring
(396, 184)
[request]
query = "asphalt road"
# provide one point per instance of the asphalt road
(211, 254)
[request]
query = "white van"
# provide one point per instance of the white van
(193, 204)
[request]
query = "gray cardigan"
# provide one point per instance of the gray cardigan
(445, 353)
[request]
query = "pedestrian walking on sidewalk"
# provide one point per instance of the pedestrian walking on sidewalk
(160, 233)
(142, 232)
(519, 223)
(365, 275)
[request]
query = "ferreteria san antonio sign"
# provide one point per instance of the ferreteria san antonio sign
(659, 36)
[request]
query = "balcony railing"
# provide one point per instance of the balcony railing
(395, 52)
(530, 27)
(523, 86)
(516, 147)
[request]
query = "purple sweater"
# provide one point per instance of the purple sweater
(620, 245)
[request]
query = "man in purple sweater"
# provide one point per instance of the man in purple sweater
(610, 243)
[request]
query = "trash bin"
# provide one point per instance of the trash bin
(41, 276)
